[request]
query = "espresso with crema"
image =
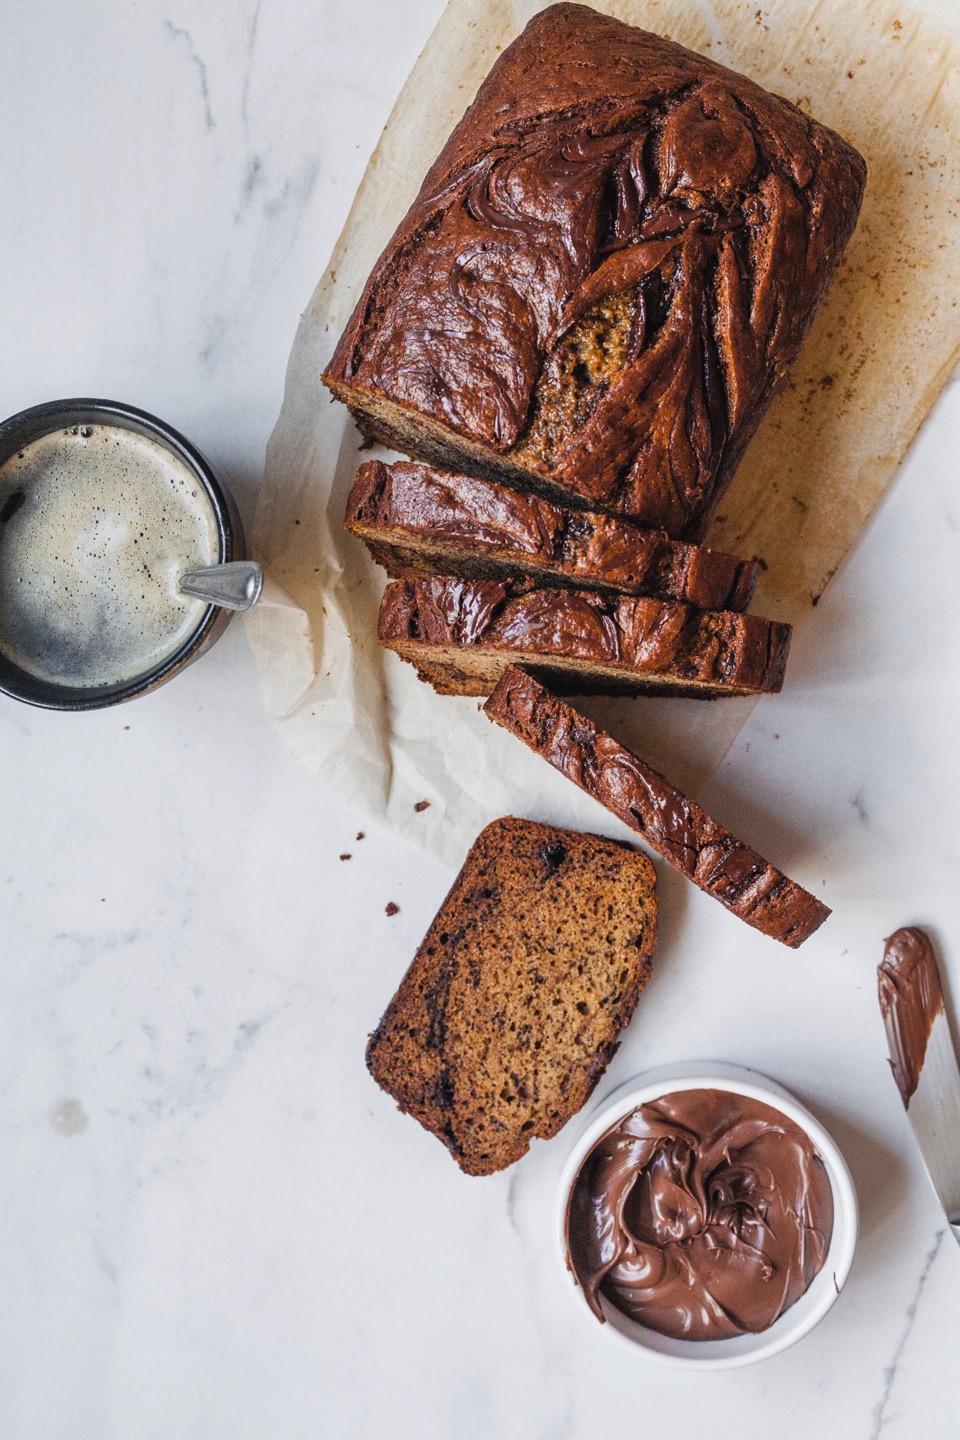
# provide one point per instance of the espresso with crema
(96, 525)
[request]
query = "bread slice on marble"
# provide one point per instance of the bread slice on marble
(513, 1004)
(672, 825)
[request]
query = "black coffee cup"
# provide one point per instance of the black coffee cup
(62, 415)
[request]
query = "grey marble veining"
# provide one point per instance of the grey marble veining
(883, 1405)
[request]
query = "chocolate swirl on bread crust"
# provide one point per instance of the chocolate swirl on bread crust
(462, 634)
(417, 521)
(672, 825)
(606, 275)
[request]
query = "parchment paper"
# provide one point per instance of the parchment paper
(882, 347)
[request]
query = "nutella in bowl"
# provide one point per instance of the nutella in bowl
(707, 1217)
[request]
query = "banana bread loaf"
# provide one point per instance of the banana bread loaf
(675, 827)
(606, 274)
(416, 521)
(462, 634)
(511, 1009)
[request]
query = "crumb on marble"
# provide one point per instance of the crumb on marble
(392, 908)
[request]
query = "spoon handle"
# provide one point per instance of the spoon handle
(234, 586)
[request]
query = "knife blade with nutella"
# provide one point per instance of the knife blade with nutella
(923, 1059)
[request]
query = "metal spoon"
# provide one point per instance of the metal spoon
(233, 586)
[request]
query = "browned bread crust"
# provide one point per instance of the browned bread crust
(606, 274)
(511, 1009)
(417, 521)
(462, 634)
(675, 827)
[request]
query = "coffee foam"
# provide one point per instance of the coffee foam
(96, 524)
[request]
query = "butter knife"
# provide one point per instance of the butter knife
(923, 1060)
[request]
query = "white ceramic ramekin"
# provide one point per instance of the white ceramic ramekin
(801, 1317)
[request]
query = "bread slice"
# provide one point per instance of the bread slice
(511, 1009)
(461, 635)
(675, 827)
(418, 521)
(605, 276)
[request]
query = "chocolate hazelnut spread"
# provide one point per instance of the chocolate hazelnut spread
(702, 1215)
(910, 1001)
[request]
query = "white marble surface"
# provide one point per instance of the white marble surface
(212, 1225)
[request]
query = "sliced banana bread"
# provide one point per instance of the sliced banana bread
(672, 825)
(461, 635)
(511, 1009)
(606, 275)
(419, 521)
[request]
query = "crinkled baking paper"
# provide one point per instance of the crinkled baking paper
(882, 347)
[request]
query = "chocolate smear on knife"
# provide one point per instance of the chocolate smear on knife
(910, 1001)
